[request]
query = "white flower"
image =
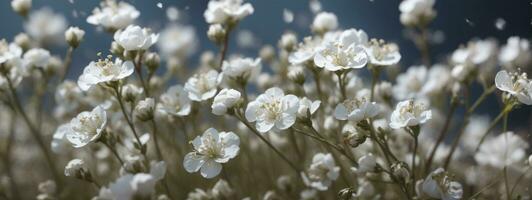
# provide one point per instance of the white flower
(74, 167)
(45, 26)
(59, 142)
(134, 38)
(409, 113)
(211, 150)
(322, 172)
(383, 54)
(74, 35)
(366, 163)
(439, 185)
(144, 109)
(305, 51)
(306, 105)
(244, 68)
(356, 110)
(516, 85)
(273, 109)
(9, 52)
(324, 22)
(103, 71)
(131, 186)
(515, 52)
(113, 15)
(203, 86)
(216, 33)
(68, 96)
(504, 150)
(420, 82)
(175, 101)
(416, 11)
(478, 56)
(226, 99)
(87, 127)
(21, 6)
(10, 58)
(342, 52)
(177, 40)
(36, 57)
(225, 11)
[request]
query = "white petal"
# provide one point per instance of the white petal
(211, 169)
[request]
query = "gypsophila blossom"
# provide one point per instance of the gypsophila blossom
(211, 150)
(324, 22)
(241, 68)
(134, 38)
(409, 113)
(113, 15)
(356, 110)
(507, 149)
(144, 109)
(74, 35)
(104, 71)
(273, 110)
(203, 86)
(381, 53)
(322, 172)
(366, 163)
(175, 102)
(177, 40)
(516, 52)
(517, 85)
(347, 52)
(46, 26)
(36, 58)
(59, 142)
(439, 185)
(306, 107)
(21, 6)
(227, 11)
(416, 12)
(87, 127)
(225, 100)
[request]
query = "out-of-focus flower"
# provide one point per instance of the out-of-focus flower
(224, 100)
(36, 58)
(381, 53)
(45, 26)
(145, 108)
(504, 150)
(22, 7)
(420, 82)
(324, 22)
(74, 35)
(103, 71)
(343, 53)
(68, 96)
(75, 168)
(366, 163)
(134, 38)
(203, 86)
(416, 12)
(409, 113)
(242, 69)
(131, 92)
(305, 51)
(211, 150)
(322, 172)
(113, 16)
(365, 189)
(517, 85)
(132, 186)
(516, 52)
(307, 106)
(177, 40)
(175, 101)
(87, 127)
(227, 11)
(356, 110)
(59, 142)
(288, 41)
(439, 185)
(10, 64)
(479, 56)
(273, 109)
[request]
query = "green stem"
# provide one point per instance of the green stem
(66, 63)
(119, 99)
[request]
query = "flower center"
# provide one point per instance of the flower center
(272, 109)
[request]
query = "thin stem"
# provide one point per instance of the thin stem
(115, 153)
(119, 99)
(413, 173)
(317, 80)
(138, 69)
(155, 139)
(441, 136)
(506, 186)
(225, 46)
(7, 159)
(66, 63)
(493, 124)
(341, 84)
(375, 72)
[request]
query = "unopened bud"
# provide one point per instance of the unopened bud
(216, 33)
(152, 60)
(144, 109)
(22, 7)
(23, 41)
(116, 49)
(74, 36)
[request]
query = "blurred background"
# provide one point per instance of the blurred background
(457, 22)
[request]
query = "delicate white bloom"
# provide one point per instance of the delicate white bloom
(145, 108)
(134, 38)
(365, 189)
(420, 82)
(46, 26)
(211, 150)
(87, 127)
(74, 167)
(474, 131)
(225, 99)
(324, 22)
(216, 33)
(409, 113)
(366, 163)
(37, 57)
(356, 110)
(10, 58)
(74, 35)
(177, 40)
(131, 186)
(345, 52)
(227, 11)
(243, 68)
(175, 101)
(322, 172)
(305, 51)
(478, 56)
(131, 92)
(273, 109)
(516, 52)
(113, 16)
(416, 11)
(516, 85)
(383, 54)
(439, 185)
(203, 86)
(21, 6)
(9, 52)
(504, 150)
(103, 71)
(288, 41)
(59, 142)
(307, 106)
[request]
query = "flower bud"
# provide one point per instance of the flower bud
(131, 92)
(134, 164)
(116, 49)
(288, 42)
(152, 60)
(76, 168)
(267, 53)
(74, 36)
(324, 22)
(144, 109)
(22, 7)
(296, 74)
(23, 41)
(208, 58)
(216, 33)
(400, 170)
